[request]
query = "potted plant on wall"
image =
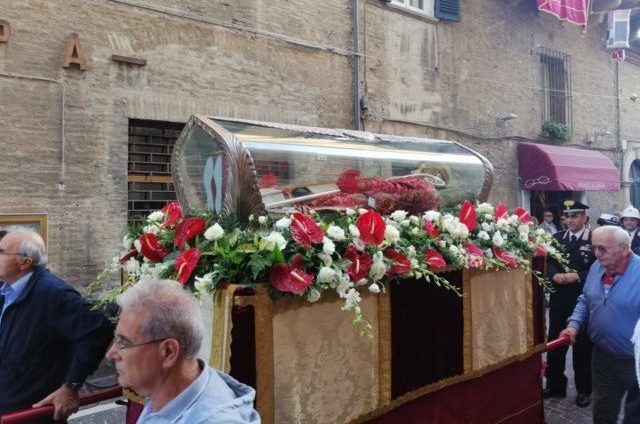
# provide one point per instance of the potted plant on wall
(557, 131)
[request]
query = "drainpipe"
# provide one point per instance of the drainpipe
(355, 28)
(616, 84)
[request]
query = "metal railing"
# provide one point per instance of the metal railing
(27, 415)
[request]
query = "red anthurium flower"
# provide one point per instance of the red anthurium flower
(304, 230)
(268, 180)
(468, 215)
(186, 262)
(523, 216)
(172, 213)
(187, 229)
(506, 258)
(501, 211)
(434, 259)
(130, 254)
(371, 227)
(476, 257)
(431, 230)
(540, 251)
(401, 263)
(292, 278)
(360, 263)
(151, 248)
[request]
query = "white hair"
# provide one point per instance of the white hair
(619, 234)
(170, 312)
(32, 246)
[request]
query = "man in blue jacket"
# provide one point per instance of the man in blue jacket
(608, 310)
(50, 339)
(157, 340)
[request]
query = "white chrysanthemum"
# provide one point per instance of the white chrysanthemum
(431, 215)
(272, 240)
(378, 270)
(486, 226)
(204, 284)
(391, 234)
(374, 288)
(156, 216)
(327, 246)
(326, 275)
(484, 208)
(132, 266)
(354, 230)
(399, 215)
(137, 245)
(313, 295)
(283, 223)
(336, 233)
(498, 240)
(127, 242)
(214, 232)
(151, 228)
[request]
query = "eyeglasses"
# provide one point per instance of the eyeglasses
(2, 252)
(121, 345)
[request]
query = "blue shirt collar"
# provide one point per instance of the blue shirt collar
(13, 291)
(173, 410)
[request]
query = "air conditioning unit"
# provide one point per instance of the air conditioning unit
(618, 33)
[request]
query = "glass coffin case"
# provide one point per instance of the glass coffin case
(249, 167)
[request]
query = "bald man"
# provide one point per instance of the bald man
(50, 339)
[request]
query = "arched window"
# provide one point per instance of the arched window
(634, 190)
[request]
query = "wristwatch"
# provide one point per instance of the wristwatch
(73, 386)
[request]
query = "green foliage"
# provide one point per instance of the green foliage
(557, 131)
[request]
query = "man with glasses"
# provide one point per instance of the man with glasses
(50, 339)
(159, 333)
(567, 286)
(608, 310)
(547, 223)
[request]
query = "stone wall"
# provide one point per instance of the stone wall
(64, 131)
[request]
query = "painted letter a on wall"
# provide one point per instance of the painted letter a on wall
(73, 52)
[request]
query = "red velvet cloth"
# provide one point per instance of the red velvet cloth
(509, 395)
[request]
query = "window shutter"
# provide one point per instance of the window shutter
(448, 10)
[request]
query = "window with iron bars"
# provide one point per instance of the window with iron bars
(555, 84)
(150, 182)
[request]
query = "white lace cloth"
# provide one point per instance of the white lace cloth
(636, 342)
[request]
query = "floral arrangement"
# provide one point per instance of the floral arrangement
(309, 254)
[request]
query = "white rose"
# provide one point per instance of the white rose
(272, 240)
(378, 270)
(336, 233)
(354, 230)
(326, 275)
(283, 223)
(151, 228)
(497, 239)
(327, 246)
(486, 226)
(431, 215)
(374, 288)
(156, 216)
(399, 215)
(313, 295)
(391, 234)
(127, 242)
(214, 232)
